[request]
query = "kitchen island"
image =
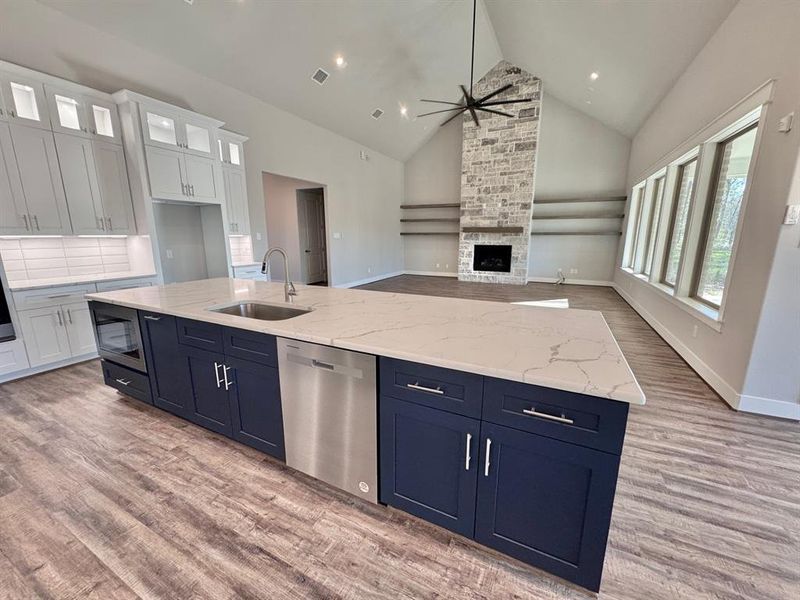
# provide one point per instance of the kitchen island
(501, 422)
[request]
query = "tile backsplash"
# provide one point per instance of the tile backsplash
(241, 249)
(38, 258)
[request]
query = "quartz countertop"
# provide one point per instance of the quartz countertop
(32, 284)
(566, 349)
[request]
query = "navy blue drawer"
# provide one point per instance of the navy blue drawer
(206, 336)
(129, 382)
(583, 420)
(445, 389)
(250, 345)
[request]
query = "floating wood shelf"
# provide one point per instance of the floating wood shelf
(577, 200)
(492, 229)
(448, 220)
(428, 233)
(576, 233)
(605, 216)
(445, 205)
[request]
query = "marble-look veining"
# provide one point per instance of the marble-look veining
(32, 284)
(560, 348)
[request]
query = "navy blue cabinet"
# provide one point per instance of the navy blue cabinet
(167, 368)
(255, 403)
(429, 463)
(545, 502)
(209, 390)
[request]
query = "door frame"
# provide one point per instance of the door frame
(300, 229)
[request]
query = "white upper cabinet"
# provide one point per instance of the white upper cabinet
(236, 200)
(82, 114)
(230, 147)
(174, 130)
(24, 101)
(199, 139)
(204, 179)
(104, 120)
(166, 172)
(13, 209)
(115, 190)
(79, 175)
(160, 128)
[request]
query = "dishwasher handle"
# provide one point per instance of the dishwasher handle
(322, 365)
(327, 367)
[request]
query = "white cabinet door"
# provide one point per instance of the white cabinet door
(103, 118)
(80, 329)
(13, 210)
(45, 335)
(166, 172)
(3, 104)
(39, 172)
(236, 197)
(115, 191)
(204, 178)
(78, 172)
(25, 101)
(198, 138)
(68, 110)
(160, 128)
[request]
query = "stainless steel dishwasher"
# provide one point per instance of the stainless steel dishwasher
(329, 402)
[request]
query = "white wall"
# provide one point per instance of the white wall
(280, 195)
(363, 196)
(756, 42)
(578, 156)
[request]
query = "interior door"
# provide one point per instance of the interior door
(45, 335)
(115, 191)
(80, 328)
(40, 174)
(25, 101)
(13, 210)
(311, 223)
(204, 179)
(79, 176)
(165, 170)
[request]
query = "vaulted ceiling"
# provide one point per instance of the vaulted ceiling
(399, 52)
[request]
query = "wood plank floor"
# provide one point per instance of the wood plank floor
(104, 497)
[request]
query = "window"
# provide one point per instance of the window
(637, 208)
(679, 221)
(722, 214)
(652, 226)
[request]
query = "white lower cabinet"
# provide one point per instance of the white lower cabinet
(80, 330)
(45, 335)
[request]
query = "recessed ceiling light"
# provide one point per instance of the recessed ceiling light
(340, 62)
(588, 102)
(403, 110)
(594, 75)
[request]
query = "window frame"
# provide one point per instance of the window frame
(673, 213)
(708, 212)
(653, 225)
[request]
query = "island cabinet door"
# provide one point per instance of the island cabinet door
(167, 367)
(209, 397)
(429, 463)
(255, 401)
(545, 502)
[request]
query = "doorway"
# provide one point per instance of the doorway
(311, 229)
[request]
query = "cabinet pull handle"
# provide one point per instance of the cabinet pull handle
(25, 219)
(53, 297)
(488, 454)
(534, 413)
(422, 388)
(191, 189)
(216, 373)
(60, 320)
(69, 315)
(99, 223)
(12, 113)
(228, 384)
(152, 318)
(183, 189)
(468, 457)
(123, 382)
(36, 220)
(110, 227)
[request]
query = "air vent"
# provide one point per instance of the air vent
(321, 76)
(377, 113)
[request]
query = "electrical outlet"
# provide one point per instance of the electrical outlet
(694, 331)
(446, 266)
(170, 254)
(573, 271)
(337, 235)
(437, 265)
(258, 236)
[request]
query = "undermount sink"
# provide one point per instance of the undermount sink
(262, 311)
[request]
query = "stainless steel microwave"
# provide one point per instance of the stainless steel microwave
(118, 335)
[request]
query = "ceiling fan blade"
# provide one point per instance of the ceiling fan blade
(453, 117)
(436, 112)
(474, 116)
(496, 102)
(468, 99)
(442, 102)
(497, 91)
(494, 112)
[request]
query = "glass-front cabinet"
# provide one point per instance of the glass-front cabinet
(24, 101)
(167, 129)
(231, 148)
(83, 115)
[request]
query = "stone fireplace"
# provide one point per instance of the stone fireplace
(498, 164)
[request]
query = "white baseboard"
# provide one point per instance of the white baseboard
(48, 367)
(711, 377)
(769, 407)
(431, 273)
(571, 281)
(372, 279)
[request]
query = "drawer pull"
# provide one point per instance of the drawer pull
(422, 388)
(488, 454)
(58, 296)
(152, 318)
(468, 457)
(534, 413)
(123, 382)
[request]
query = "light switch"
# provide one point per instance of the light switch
(785, 124)
(169, 253)
(792, 214)
(337, 235)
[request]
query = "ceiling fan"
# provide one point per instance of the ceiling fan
(468, 101)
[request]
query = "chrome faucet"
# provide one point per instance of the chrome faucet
(288, 287)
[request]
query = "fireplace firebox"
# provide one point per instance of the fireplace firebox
(491, 257)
